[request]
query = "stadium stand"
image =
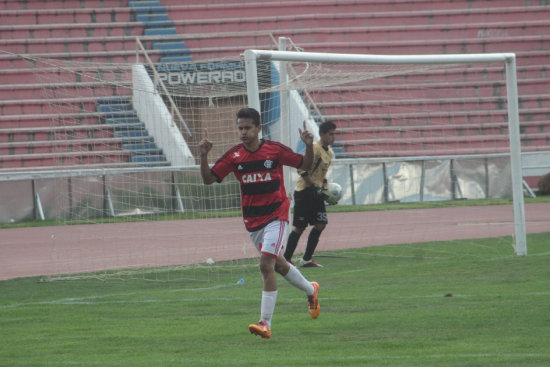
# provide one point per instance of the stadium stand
(173, 31)
(96, 125)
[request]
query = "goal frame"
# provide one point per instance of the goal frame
(251, 57)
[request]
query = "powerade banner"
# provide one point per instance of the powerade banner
(222, 72)
(207, 77)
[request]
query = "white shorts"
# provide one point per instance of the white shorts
(270, 239)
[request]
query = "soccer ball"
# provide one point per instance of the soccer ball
(335, 190)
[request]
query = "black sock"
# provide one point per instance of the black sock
(291, 245)
(312, 242)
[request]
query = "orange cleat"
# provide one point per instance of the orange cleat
(260, 329)
(313, 302)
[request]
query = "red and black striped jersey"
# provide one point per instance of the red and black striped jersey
(260, 173)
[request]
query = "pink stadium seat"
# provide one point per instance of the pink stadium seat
(45, 106)
(60, 4)
(368, 5)
(270, 8)
(65, 15)
(48, 74)
(55, 133)
(60, 146)
(48, 120)
(53, 160)
(62, 30)
(65, 45)
(63, 90)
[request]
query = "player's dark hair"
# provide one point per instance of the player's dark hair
(249, 113)
(326, 126)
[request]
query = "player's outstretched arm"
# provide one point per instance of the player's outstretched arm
(307, 138)
(204, 147)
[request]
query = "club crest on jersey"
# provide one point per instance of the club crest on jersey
(268, 164)
(256, 177)
(236, 154)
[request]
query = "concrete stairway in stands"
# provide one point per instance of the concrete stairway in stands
(156, 22)
(121, 116)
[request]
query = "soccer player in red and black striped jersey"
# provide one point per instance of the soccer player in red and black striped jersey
(258, 166)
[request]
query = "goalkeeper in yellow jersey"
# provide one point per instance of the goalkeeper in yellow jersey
(310, 196)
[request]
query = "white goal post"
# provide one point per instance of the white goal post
(508, 59)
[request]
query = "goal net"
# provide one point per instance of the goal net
(441, 131)
(428, 128)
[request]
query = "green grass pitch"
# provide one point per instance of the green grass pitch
(465, 303)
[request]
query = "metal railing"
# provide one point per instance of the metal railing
(365, 181)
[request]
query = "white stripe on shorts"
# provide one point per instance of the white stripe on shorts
(269, 240)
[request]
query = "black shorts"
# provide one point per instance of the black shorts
(308, 208)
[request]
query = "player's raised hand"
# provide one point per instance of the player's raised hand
(305, 135)
(205, 145)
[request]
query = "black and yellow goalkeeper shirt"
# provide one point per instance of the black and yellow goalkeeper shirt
(318, 172)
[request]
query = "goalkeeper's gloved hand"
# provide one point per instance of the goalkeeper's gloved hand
(331, 200)
(324, 194)
(319, 192)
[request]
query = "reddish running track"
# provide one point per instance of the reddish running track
(82, 248)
